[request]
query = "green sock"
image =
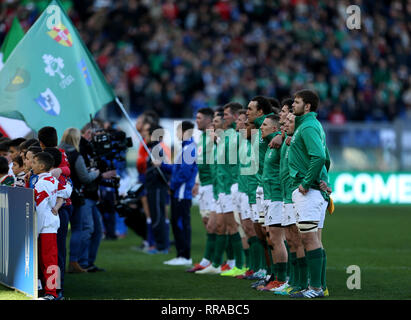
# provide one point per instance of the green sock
(247, 258)
(254, 255)
(229, 250)
(292, 261)
(274, 271)
(237, 246)
(323, 270)
(263, 261)
(281, 271)
(220, 247)
(288, 260)
(296, 272)
(271, 268)
(303, 272)
(315, 264)
(210, 246)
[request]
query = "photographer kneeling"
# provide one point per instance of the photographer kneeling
(86, 221)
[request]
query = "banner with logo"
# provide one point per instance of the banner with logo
(371, 188)
(18, 240)
(51, 79)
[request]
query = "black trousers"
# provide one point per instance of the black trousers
(156, 198)
(181, 226)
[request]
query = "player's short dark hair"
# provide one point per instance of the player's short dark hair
(208, 112)
(309, 96)
(56, 154)
(219, 111)
(186, 125)
(287, 102)
(18, 160)
(4, 166)
(16, 142)
(30, 142)
(234, 107)
(242, 111)
(34, 150)
(48, 136)
(273, 117)
(274, 102)
(46, 159)
(263, 104)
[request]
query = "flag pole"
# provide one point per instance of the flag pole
(139, 137)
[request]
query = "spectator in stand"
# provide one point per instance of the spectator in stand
(337, 116)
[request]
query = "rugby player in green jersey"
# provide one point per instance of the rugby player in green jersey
(258, 108)
(273, 197)
(227, 228)
(246, 175)
(230, 173)
(307, 158)
(299, 270)
(204, 184)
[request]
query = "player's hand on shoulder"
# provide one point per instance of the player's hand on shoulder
(276, 142)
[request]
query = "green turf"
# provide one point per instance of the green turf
(374, 238)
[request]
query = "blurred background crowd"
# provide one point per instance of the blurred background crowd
(178, 56)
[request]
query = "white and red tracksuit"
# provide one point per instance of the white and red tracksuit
(45, 194)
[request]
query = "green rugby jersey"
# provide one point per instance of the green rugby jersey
(247, 179)
(308, 153)
(262, 147)
(271, 173)
(213, 167)
(226, 153)
(285, 179)
(234, 142)
(205, 155)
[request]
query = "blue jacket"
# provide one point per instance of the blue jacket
(183, 171)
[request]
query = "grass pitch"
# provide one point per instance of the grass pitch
(376, 239)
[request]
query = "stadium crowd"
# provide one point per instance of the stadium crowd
(179, 56)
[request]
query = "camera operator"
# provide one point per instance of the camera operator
(86, 222)
(93, 224)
